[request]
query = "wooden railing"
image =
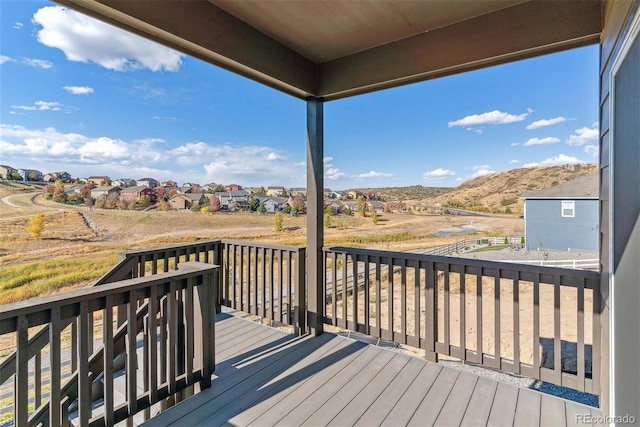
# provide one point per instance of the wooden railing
(265, 280)
(175, 336)
(534, 321)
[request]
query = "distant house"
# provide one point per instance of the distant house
(99, 180)
(336, 206)
(147, 182)
(275, 191)
(563, 217)
(233, 200)
(378, 206)
(272, 204)
(212, 187)
(30, 175)
(124, 182)
(298, 190)
(55, 176)
(6, 170)
(233, 187)
(104, 191)
(396, 207)
(191, 188)
(185, 201)
(133, 194)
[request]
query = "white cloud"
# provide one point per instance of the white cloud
(583, 136)
(327, 160)
(437, 175)
(4, 59)
(515, 144)
(481, 170)
(18, 25)
(38, 63)
(538, 141)
(79, 90)
(494, 117)
(334, 174)
(374, 174)
(274, 156)
(546, 122)
(84, 39)
(163, 118)
(561, 159)
(459, 179)
(513, 162)
(592, 150)
(39, 106)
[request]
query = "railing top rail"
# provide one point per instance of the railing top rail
(170, 248)
(507, 266)
(38, 309)
(290, 248)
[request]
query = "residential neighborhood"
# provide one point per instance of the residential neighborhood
(101, 191)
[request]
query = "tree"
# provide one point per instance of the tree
(328, 210)
(261, 209)
(33, 176)
(14, 176)
(214, 203)
(59, 194)
(254, 204)
(506, 240)
(327, 220)
(362, 206)
(277, 222)
(145, 201)
(287, 209)
(299, 204)
(374, 217)
(36, 225)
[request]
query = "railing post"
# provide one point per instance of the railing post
(431, 313)
(218, 260)
(204, 337)
(300, 311)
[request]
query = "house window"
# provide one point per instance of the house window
(568, 208)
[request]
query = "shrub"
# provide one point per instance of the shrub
(36, 225)
(277, 222)
(506, 240)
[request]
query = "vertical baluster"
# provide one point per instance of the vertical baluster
(84, 381)
(164, 348)
(596, 312)
(557, 338)
(243, 301)
(154, 264)
(263, 288)
(189, 326)
(334, 283)
(55, 329)
(231, 258)
(462, 314)
(275, 302)
(367, 293)
(354, 292)
(416, 303)
(290, 295)
(165, 263)
(280, 294)
(255, 281)
(516, 323)
(479, 326)
(536, 325)
(403, 300)
(378, 296)
(74, 345)
(37, 386)
(21, 378)
(447, 313)
(172, 323)
(153, 345)
(107, 338)
(431, 313)
(390, 291)
(496, 320)
(580, 343)
(300, 321)
(344, 320)
(131, 348)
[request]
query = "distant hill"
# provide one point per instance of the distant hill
(494, 193)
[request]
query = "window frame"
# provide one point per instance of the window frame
(568, 204)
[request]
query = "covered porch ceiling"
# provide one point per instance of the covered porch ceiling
(340, 48)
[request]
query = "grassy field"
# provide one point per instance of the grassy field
(70, 255)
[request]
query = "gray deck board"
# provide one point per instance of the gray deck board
(266, 377)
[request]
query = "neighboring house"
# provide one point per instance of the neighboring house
(298, 190)
(377, 205)
(396, 207)
(6, 170)
(212, 187)
(55, 176)
(272, 204)
(147, 182)
(191, 189)
(30, 175)
(233, 200)
(104, 191)
(275, 191)
(76, 189)
(233, 187)
(185, 201)
(133, 194)
(337, 206)
(563, 217)
(99, 180)
(124, 182)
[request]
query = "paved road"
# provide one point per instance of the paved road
(6, 200)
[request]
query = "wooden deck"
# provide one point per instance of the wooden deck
(266, 377)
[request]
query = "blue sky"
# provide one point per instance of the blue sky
(83, 97)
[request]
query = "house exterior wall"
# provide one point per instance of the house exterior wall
(619, 199)
(546, 228)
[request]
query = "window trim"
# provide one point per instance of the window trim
(568, 204)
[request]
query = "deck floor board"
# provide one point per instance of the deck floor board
(266, 377)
